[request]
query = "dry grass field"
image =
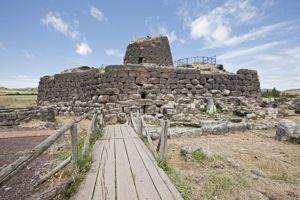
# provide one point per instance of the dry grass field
(293, 91)
(17, 97)
(18, 100)
(263, 168)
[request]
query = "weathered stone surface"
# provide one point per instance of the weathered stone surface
(151, 110)
(288, 130)
(110, 119)
(122, 118)
(149, 50)
(147, 85)
(189, 149)
(296, 103)
(211, 108)
(16, 116)
(103, 99)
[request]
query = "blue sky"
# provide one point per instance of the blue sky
(42, 37)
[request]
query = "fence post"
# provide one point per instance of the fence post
(163, 139)
(101, 120)
(140, 125)
(74, 144)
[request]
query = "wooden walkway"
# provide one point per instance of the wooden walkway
(123, 168)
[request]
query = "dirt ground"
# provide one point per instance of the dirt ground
(16, 141)
(20, 185)
(259, 166)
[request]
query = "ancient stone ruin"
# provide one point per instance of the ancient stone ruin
(149, 50)
(157, 88)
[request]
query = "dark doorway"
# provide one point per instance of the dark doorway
(143, 95)
(140, 60)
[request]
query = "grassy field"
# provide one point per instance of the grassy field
(293, 91)
(18, 97)
(260, 167)
(18, 100)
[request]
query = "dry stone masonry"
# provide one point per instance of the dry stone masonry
(121, 89)
(149, 50)
(15, 116)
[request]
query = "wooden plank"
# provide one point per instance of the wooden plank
(105, 132)
(105, 184)
(86, 190)
(131, 131)
(111, 132)
(144, 185)
(118, 133)
(125, 184)
(162, 174)
(125, 132)
(162, 188)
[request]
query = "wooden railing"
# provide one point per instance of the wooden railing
(10, 170)
(139, 125)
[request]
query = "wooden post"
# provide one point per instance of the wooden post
(74, 144)
(88, 135)
(152, 148)
(163, 139)
(140, 125)
(101, 121)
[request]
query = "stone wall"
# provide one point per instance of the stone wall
(125, 88)
(15, 116)
(154, 50)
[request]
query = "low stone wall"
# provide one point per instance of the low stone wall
(126, 88)
(15, 116)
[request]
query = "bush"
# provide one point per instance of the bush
(268, 93)
(199, 155)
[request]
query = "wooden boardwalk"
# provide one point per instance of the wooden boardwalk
(123, 168)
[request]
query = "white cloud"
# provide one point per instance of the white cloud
(280, 69)
(157, 27)
(210, 28)
(256, 33)
(163, 30)
(27, 54)
(114, 52)
(285, 57)
(96, 13)
(83, 49)
(215, 26)
(56, 22)
(249, 51)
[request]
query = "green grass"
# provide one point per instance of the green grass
(84, 163)
(181, 182)
(270, 93)
(223, 184)
(199, 155)
(216, 184)
(281, 176)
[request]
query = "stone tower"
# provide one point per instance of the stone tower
(154, 50)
